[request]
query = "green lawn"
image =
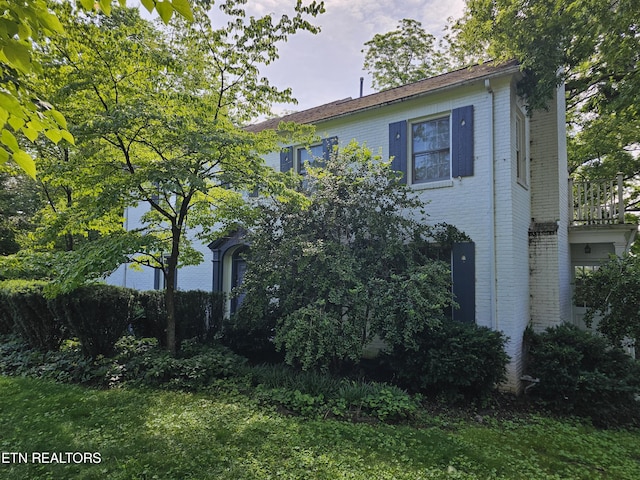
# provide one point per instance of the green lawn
(142, 434)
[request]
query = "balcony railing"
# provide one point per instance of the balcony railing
(597, 202)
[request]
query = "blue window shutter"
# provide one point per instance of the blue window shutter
(327, 147)
(463, 268)
(398, 147)
(286, 159)
(462, 142)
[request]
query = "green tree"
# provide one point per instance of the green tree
(157, 115)
(26, 23)
(19, 201)
(345, 263)
(589, 44)
(613, 293)
(404, 55)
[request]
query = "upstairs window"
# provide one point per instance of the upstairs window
(294, 158)
(431, 150)
(313, 156)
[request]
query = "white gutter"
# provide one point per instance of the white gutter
(492, 224)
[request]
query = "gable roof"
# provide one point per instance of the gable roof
(348, 105)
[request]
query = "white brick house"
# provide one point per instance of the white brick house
(466, 145)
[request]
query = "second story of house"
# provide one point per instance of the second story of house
(462, 140)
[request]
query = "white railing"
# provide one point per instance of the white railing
(596, 202)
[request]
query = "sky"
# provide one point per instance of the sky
(326, 67)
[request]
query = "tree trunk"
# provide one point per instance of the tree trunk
(169, 293)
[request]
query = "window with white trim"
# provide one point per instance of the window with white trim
(431, 150)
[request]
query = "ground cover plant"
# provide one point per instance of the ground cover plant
(141, 433)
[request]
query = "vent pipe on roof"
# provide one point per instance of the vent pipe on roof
(361, 84)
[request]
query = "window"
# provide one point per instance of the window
(430, 150)
(312, 155)
(521, 150)
(435, 149)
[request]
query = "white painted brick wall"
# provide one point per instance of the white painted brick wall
(549, 255)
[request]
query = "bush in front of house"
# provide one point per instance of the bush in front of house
(315, 394)
(198, 314)
(26, 311)
(136, 361)
(6, 318)
(581, 374)
(452, 360)
(97, 315)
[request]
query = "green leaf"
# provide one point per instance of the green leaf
(148, 4)
(87, 4)
(10, 104)
(4, 155)
(58, 117)
(4, 115)
(53, 134)
(30, 133)
(50, 22)
(18, 56)
(16, 122)
(183, 8)
(24, 31)
(9, 140)
(24, 161)
(105, 6)
(68, 137)
(165, 10)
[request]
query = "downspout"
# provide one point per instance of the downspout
(492, 210)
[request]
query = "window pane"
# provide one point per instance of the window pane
(431, 166)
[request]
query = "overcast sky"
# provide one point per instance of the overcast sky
(328, 66)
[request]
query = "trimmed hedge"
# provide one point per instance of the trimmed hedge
(453, 360)
(97, 315)
(198, 315)
(30, 314)
(581, 374)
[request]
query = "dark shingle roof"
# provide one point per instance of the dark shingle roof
(429, 85)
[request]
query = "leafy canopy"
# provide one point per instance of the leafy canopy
(23, 25)
(591, 45)
(402, 56)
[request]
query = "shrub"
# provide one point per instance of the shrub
(198, 314)
(149, 315)
(454, 359)
(97, 315)
(68, 364)
(197, 367)
(315, 394)
(580, 374)
(6, 318)
(32, 318)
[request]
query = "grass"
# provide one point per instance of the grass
(149, 434)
